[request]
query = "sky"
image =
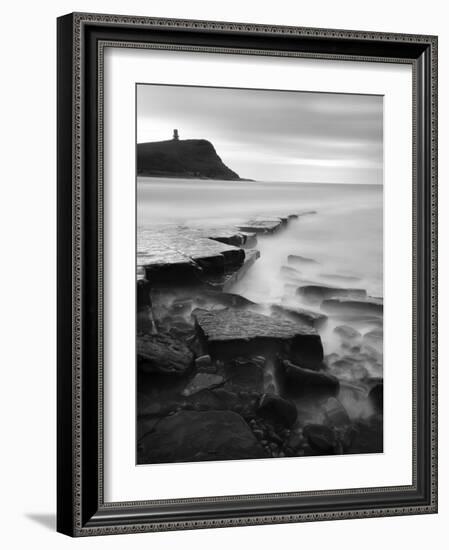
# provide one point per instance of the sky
(270, 135)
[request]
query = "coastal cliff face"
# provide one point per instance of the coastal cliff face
(189, 158)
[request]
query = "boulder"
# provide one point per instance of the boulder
(163, 354)
(318, 293)
(202, 381)
(276, 410)
(299, 382)
(191, 436)
(321, 438)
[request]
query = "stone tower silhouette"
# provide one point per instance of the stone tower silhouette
(175, 135)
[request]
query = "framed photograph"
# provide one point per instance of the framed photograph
(247, 283)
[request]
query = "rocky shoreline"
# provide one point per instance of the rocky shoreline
(221, 377)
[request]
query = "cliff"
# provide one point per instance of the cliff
(189, 158)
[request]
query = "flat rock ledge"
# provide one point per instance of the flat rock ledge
(230, 332)
(212, 256)
(347, 306)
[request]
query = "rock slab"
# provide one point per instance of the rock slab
(233, 333)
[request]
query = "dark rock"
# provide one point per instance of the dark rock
(202, 381)
(294, 259)
(274, 438)
(145, 322)
(143, 294)
(276, 410)
(317, 293)
(233, 333)
(298, 382)
(179, 327)
(305, 316)
(335, 413)
(203, 362)
(163, 354)
(376, 397)
(344, 306)
(367, 436)
(321, 438)
(245, 374)
(190, 436)
(295, 441)
(181, 305)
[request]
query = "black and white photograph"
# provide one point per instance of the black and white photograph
(259, 309)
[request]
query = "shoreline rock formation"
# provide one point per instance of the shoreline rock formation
(221, 377)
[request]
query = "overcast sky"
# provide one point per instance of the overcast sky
(272, 135)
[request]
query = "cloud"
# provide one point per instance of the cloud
(273, 135)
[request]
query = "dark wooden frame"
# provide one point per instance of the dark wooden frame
(81, 509)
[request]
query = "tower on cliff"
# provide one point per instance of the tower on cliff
(175, 135)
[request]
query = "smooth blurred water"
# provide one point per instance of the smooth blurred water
(344, 236)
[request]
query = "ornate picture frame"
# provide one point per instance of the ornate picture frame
(81, 507)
